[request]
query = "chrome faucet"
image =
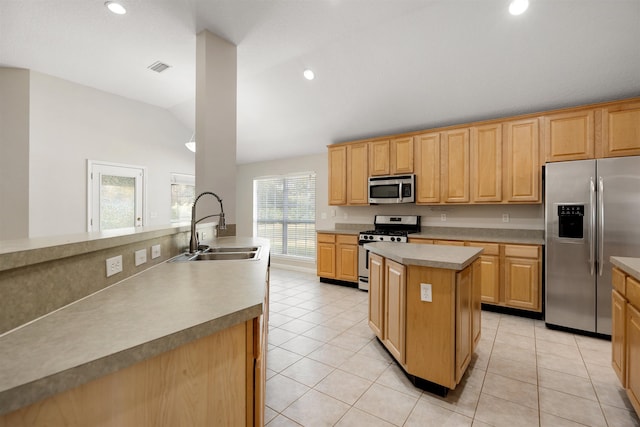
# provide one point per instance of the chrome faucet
(193, 243)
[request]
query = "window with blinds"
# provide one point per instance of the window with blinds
(285, 213)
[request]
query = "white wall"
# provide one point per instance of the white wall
(70, 123)
(485, 216)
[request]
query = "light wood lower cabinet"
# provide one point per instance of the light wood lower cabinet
(510, 274)
(394, 307)
(208, 382)
(376, 294)
(432, 340)
(618, 335)
(326, 255)
(625, 334)
(522, 277)
(337, 256)
(633, 356)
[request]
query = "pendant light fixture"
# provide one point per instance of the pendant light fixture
(191, 145)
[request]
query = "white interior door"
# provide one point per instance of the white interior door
(116, 196)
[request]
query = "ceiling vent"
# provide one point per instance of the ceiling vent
(158, 66)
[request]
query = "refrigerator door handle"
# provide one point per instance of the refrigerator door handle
(592, 243)
(601, 225)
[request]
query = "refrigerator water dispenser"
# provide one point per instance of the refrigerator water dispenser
(570, 221)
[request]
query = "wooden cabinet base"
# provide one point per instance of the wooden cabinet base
(208, 382)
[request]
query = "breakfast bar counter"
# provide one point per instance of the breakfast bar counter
(167, 307)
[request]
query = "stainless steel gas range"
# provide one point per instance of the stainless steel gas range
(388, 228)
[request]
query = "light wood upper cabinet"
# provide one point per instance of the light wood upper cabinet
(401, 158)
(391, 157)
(486, 163)
(427, 164)
(569, 136)
(338, 175)
(522, 161)
(455, 166)
(379, 158)
(357, 174)
(348, 174)
(621, 130)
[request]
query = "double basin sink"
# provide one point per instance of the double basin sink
(221, 254)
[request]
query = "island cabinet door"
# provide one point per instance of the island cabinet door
(464, 321)
(376, 294)
(395, 309)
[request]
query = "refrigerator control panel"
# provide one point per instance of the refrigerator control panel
(570, 221)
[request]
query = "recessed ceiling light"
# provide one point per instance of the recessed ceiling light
(116, 8)
(309, 74)
(517, 7)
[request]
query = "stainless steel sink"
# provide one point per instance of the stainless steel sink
(233, 249)
(226, 253)
(215, 256)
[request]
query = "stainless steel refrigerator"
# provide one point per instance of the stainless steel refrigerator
(592, 212)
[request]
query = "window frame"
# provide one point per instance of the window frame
(285, 208)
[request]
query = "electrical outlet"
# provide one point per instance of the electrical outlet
(155, 251)
(425, 292)
(114, 265)
(443, 217)
(505, 217)
(141, 257)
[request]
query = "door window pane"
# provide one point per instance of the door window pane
(182, 197)
(117, 202)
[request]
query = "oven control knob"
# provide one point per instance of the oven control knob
(381, 238)
(393, 239)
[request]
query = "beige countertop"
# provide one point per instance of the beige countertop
(155, 311)
(436, 256)
(631, 266)
(490, 235)
(24, 252)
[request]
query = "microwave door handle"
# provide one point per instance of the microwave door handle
(400, 194)
(592, 209)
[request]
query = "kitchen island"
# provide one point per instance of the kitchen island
(424, 306)
(182, 343)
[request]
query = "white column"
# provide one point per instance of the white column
(14, 153)
(216, 94)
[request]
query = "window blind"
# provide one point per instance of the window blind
(285, 213)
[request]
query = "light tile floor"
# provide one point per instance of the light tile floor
(324, 368)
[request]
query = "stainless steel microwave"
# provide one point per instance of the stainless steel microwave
(392, 189)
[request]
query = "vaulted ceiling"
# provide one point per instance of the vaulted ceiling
(382, 66)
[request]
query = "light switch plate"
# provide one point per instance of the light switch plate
(425, 292)
(141, 257)
(155, 251)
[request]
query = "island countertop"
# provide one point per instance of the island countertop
(436, 256)
(160, 309)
